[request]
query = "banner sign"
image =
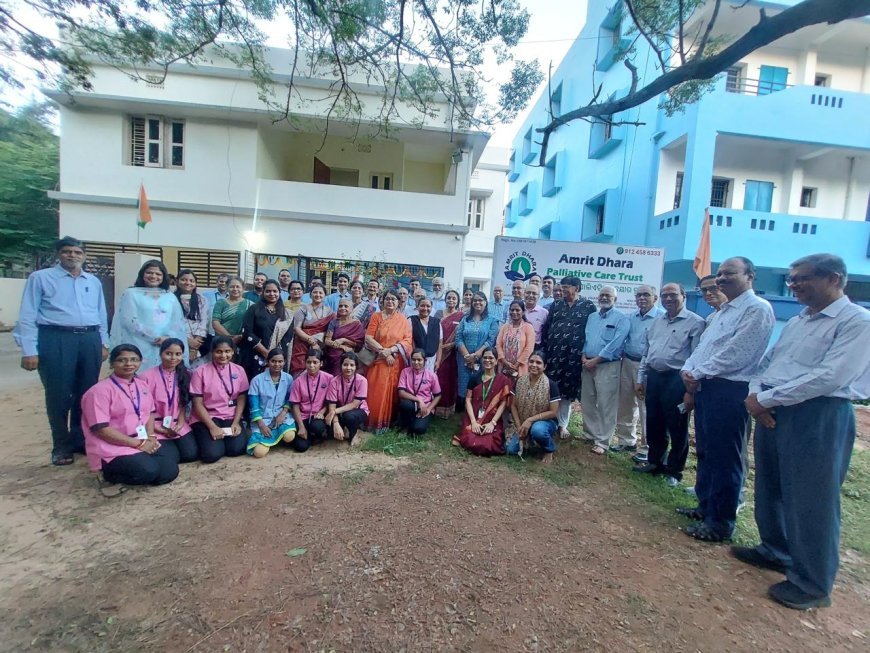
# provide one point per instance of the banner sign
(595, 264)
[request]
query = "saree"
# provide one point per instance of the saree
(353, 331)
(311, 325)
(447, 372)
(230, 316)
(145, 314)
(485, 401)
(389, 331)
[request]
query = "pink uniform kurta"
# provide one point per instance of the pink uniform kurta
(218, 386)
(164, 392)
(341, 391)
(121, 405)
(309, 392)
(423, 384)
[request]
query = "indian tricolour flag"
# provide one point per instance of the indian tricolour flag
(144, 210)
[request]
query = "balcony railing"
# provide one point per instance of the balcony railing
(746, 86)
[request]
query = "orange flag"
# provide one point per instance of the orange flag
(702, 265)
(144, 210)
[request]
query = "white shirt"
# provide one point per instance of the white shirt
(732, 345)
(668, 343)
(821, 355)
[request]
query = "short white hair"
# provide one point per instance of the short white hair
(609, 289)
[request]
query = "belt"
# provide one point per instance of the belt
(667, 371)
(636, 359)
(69, 329)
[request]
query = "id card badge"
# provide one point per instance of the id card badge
(227, 431)
(141, 433)
(167, 422)
(231, 403)
(480, 413)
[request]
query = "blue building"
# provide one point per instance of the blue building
(779, 152)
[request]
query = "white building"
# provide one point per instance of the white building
(232, 190)
(485, 216)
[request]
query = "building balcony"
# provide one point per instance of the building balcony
(770, 240)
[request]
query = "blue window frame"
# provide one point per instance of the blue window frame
(772, 79)
(759, 196)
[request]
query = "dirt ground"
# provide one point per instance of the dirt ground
(457, 555)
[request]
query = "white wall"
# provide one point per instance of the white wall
(11, 291)
(488, 181)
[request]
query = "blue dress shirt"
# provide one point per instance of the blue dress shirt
(638, 325)
(332, 299)
(57, 298)
(498, 310)
(606, 334)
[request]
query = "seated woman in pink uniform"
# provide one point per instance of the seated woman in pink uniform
(169, 383)
(419, 394)
(219, 394)
(119, 427)
(346, 399)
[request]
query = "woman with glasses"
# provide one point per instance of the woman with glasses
(389, 337)
(476, 332)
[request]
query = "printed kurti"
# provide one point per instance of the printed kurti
(563, 337)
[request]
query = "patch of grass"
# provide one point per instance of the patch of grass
(856, 503)
(356, 476)
(426, 450)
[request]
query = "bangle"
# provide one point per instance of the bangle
(141, 444)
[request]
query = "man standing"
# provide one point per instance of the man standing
(256, 292)
(668, 342)
(712, 295)
(332, 299)
(547, 289)
(403, 296)
(517, 292)
(497, 307)
(606, 332)
(62, 332)
(437, 296)
(535, 315)
(315, 281)
(563, 337)
(220, 291)
(630, 406)
(717, 375)
(413, 287)
(805, 429)
(284, 280)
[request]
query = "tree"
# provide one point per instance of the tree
(29, 161)
(689, 60)
(418, 51)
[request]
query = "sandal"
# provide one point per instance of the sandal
(692, 513)
(454, 442)
(110, 490)
(61, 459)
(598, 450)
(705, 533)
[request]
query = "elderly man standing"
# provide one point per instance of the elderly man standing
(606, 332)
(805, 429)
(62, 332)
(717, 376)
(535, 315)
(517, 291)
(669, 341)
(437, 296)
(631, 407)
(562, 338)
(497, 307)
(712, 295)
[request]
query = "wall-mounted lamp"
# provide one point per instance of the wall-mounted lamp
(457, 156)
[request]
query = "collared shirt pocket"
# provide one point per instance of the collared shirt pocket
(812, 350)
(608, 332)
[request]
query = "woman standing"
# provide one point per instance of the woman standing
(485, 401)
(194, 307)
(426, 331)
(389, 337)
(229, 312)
(419, 394)
(119, 427)
(446, 367)
(467, 296)
(515, 342)
(148, 314)
(344, 334)
(476, 332)
(269, 398)
(309, 324)
(265, 327)
(356, 294)
(308, 402)
(294, 302)
(169, 384)
(346, 400)
(534, 408)
(218, 390)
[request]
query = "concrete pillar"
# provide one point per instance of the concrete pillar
(697, 182)
(865, 73)
(794, 183)
(806, 72)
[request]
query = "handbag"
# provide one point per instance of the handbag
(366, 356)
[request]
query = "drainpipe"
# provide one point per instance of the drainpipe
(848, 187)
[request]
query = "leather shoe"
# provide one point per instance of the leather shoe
(648, 468)
(752, 556)
(792, 596)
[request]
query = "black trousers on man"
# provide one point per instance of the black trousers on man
(665, 423)
(69, 364)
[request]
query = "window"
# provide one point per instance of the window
(556, 101)
(603, 136)
(611, 44)
(808, 197)
(382, 181)
(554, 175)
(822, 80)
(476, 207)
(758, 196)
(207, 265)
(678, 190)
(719, 192)
(599, 219)
(734, 79)
(514, 172)
(772, 79)
(598, 223)
(530, 147)
(151, 137)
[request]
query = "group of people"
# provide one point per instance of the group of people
(202, 375)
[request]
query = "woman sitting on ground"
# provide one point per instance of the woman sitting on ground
(228, 314)
(426, 331)
(344, 334)
(346, 399)
(308, 402)
(534, 407)
(269, 400)
(169, 384)
(485, 401)
(267, 325)
(218, 391)
(419, 394)
(194, 307)
(309, 324)
(515, 342)
(118, 425)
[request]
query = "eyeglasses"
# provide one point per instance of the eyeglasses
(799, 278)
(125, 361)
(709, 289)
(669, 295)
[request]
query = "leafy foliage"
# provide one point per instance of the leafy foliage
(29, 161)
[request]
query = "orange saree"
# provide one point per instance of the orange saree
(393, 331)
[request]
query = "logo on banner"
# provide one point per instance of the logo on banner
(519, 266)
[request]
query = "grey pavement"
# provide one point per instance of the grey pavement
(12, 377)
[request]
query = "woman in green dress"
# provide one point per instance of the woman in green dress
(229, 313)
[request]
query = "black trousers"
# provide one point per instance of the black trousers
(664, 423)
(184, 448)
(352, 420)
(408, 419)
(69, 364)
(211, 451)
(317, 433)
(142, 468)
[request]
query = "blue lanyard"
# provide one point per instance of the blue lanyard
(169, 397)
(137, 404)
(229, 390)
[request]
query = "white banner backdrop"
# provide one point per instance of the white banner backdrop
(596, 264)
